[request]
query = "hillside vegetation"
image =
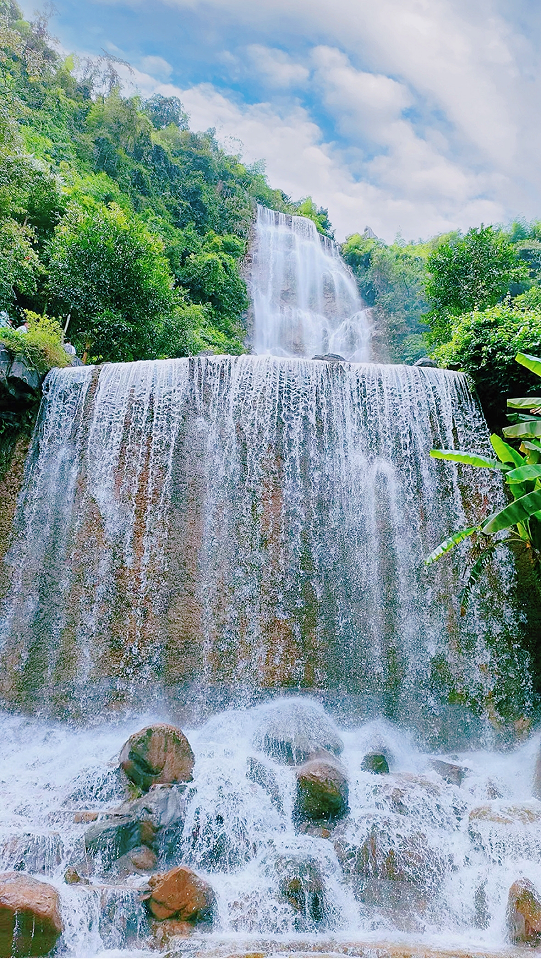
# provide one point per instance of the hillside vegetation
(114, 216)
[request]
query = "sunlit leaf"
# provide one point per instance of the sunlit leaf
(522, 509)
(532, 363)
(450, 543)
(505, 452)
(527, 428)
(523, 473)
(470, 459)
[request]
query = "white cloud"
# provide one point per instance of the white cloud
(276, 67)
(157, 67)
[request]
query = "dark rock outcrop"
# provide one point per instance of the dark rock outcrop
(303, 888)
(322, 791)
(426, 361)
(30, 921)
(157, 754)
(260, 774)
(180, 894)
(453, 774)
(330, 357)
(524, 913)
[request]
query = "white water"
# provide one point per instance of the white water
(50, 771)
(305, 300)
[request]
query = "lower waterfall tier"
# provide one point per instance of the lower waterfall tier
(212, 530)
(420, 864)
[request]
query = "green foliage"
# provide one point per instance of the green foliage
(318, 215)
(471, 272)
(485, 343)
(520, 520)
(391, 281)
(113, 211)
(41, 346)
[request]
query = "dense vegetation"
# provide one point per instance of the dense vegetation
(114, 216)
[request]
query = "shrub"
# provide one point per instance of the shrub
(41, 346)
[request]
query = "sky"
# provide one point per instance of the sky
(413, 117)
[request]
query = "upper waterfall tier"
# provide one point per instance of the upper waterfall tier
(214, 527)
(305, 300)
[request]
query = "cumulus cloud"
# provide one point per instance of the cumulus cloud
(411, 115)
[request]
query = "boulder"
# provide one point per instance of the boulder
(322, 791)
(524, 913)
(180, 894)
(22, 378)
(139, 860)
(330, 357)
(112, 838)
(169, 929)
(426, 361)
(293, 730)
(157, 754)
(72, 877)
(30, 921)
(450, 772)
(375, 763)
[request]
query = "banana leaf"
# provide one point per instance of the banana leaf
(533, 445)
(450, 543)
(525, 403)
(527, 428)
(515, 513)
(505, 452)
(523, 473)
(471, 459)
(532, 363)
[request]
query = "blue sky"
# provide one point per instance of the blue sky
(410, 116)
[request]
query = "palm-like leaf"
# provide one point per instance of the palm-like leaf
(474, 575)
(532, 363)
(525, 428)
(505, 452)
(450, 543)
(525, 403)
(529, 472)
(517, 512)
(471, 459)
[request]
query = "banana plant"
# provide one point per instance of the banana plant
(520, 520)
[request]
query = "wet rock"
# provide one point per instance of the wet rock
(405, 793)
(139, 860)
(524, 913)
(34, 853)
(260, 774)
(403, 901)
(293, 731)
(451, 772)
(322, 791)
(22, 378)
(30, 921)
(111, 839)
(381, 848)
(157, 754)
(426, 361)
(85, 816)
(375, 763)
(506, 814)
(330, 357)
(536, 789)
(302, 887)
(310, 829)
(180, 894)
(72, 877)
(164, 931)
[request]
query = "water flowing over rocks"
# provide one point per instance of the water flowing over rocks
(156, 755)
(30, 921)
(294, 731)
(322, 790)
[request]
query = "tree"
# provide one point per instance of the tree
(471, 272)
(111, 275)
(484, 345)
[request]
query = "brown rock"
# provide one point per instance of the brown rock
(524, 912)
(182, 894)
(85, 816)
(157, 754)
(304, 891)
(505, 815)
(322, 791)
(72, 877)
(138, 860)
(169, 928)
(30, 922)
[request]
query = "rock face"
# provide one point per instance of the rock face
(302, 887)
(157, 754)
(292, 732)
(258, 773)
(524, 913)
(180, 894)
(30, 922)
(322, 791)
(375, 763)
(453, 774)
(112, 838)
(426, 361)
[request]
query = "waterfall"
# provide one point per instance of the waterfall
(212, 528)
(305, 301)
(236, 545)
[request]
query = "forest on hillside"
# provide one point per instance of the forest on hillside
(114, 213)
(119, 220)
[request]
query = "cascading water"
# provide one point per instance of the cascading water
(305, 301)
(227, 534)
